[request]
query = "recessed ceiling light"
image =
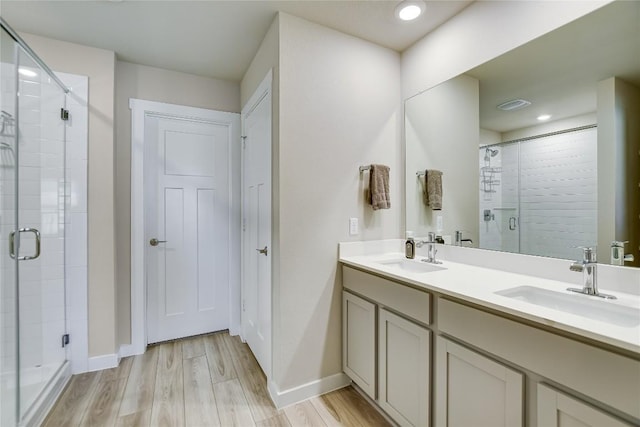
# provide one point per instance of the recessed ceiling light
(514, 104)
(27, 73)
(544, 117)
(409, 10)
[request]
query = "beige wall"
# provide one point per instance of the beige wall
(618, 172)
(489, 137)
(152, 84)
(480, 32)
(339, 109)
(442, 131)
(99, 65)
(267, 58)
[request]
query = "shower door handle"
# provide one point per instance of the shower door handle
(12, 250)
(512, 223)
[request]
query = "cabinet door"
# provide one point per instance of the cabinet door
(359, 342)
(473, 390)
(403, 369)
(556, 409)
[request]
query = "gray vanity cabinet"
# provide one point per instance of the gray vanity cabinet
(479, 360)
(359, 342)
(403, 366)
(556, 409)
(473, 390)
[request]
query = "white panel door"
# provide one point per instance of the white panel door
(187, 227)
(256, 227)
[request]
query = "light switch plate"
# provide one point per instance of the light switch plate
(353, 226)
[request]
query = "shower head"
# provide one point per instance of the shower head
(7, 124)
(488, 153)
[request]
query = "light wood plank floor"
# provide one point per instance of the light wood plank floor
(210, 380)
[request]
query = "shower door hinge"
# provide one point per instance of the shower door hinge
(65, 340)
(64, 114)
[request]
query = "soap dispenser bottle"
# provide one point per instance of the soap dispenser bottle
(410, 246)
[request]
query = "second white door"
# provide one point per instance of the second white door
(187, 205)
(256, 227)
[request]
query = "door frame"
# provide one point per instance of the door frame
(140, 110)
(263, 90)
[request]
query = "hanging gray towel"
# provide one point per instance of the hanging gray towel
(379, 197)
(433, 189)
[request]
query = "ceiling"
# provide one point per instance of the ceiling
(211, 38)
(559, 71)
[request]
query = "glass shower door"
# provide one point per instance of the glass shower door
(41, 220)
(8, 223)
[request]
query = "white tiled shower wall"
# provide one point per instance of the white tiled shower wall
(559, 194)
(41, 206)
(552, 192)
(43, 198)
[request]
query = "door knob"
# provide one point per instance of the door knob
(155, 242)
(263, 251)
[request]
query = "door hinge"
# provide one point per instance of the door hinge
(244, 224)
(64, 114)
(243, 305)
(244, 141)
(65, 340)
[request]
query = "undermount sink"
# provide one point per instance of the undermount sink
(411, 266)
(577, 304)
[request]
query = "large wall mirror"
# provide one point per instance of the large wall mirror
(540, 147)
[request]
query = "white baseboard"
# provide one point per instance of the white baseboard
(234, 330)
(107, 361)
(127, 350)
(306, 391)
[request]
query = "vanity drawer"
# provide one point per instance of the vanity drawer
(401, 298)
(603, 375)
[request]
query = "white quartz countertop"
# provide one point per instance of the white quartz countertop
(479, 285)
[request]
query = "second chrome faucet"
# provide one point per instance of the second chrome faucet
(431, 248)
(589, 269)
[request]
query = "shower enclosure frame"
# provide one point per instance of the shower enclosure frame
(50, 387)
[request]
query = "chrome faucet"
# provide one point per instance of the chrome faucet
(589, 269)
(431, 248)
(618, 257)
(458, 238)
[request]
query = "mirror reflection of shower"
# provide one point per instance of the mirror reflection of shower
(546, 182)
(488, 153)
(7, 133)
(489, 173)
